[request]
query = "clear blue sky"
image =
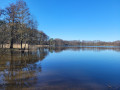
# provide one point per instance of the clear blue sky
(76, 19)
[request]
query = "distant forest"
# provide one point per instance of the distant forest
(17, 26)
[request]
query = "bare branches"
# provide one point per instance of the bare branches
(20, 25)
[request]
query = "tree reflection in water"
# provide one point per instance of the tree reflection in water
(19, 69)
(84, 48)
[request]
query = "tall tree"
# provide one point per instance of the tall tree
(23, 19)
(11, 17)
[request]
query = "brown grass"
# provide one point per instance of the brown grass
(14, 46)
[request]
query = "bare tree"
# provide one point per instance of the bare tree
(11, 18)
(23, 16)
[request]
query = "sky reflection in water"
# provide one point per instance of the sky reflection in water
(61, 68)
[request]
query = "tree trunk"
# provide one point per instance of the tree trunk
(2, 45)
(25, 46)
(28, 47)
(11, 43)
(21, 44)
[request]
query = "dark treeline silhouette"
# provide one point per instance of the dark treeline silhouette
(60, 42)
(17, 26)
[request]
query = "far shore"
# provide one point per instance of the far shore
(26, 46)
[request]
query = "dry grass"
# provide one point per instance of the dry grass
(14, 46)
(18, 46)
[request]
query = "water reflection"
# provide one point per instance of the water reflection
(18, 69)
(102, 48)
(21, 69)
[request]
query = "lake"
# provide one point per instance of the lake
(60, 68)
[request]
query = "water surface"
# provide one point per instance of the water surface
(60, 68)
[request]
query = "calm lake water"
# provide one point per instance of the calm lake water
(60, 68)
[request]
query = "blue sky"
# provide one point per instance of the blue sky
(76, 19)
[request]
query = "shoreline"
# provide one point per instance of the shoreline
(26, 46)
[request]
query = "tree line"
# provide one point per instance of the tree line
(18, 26)
(60, 42)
